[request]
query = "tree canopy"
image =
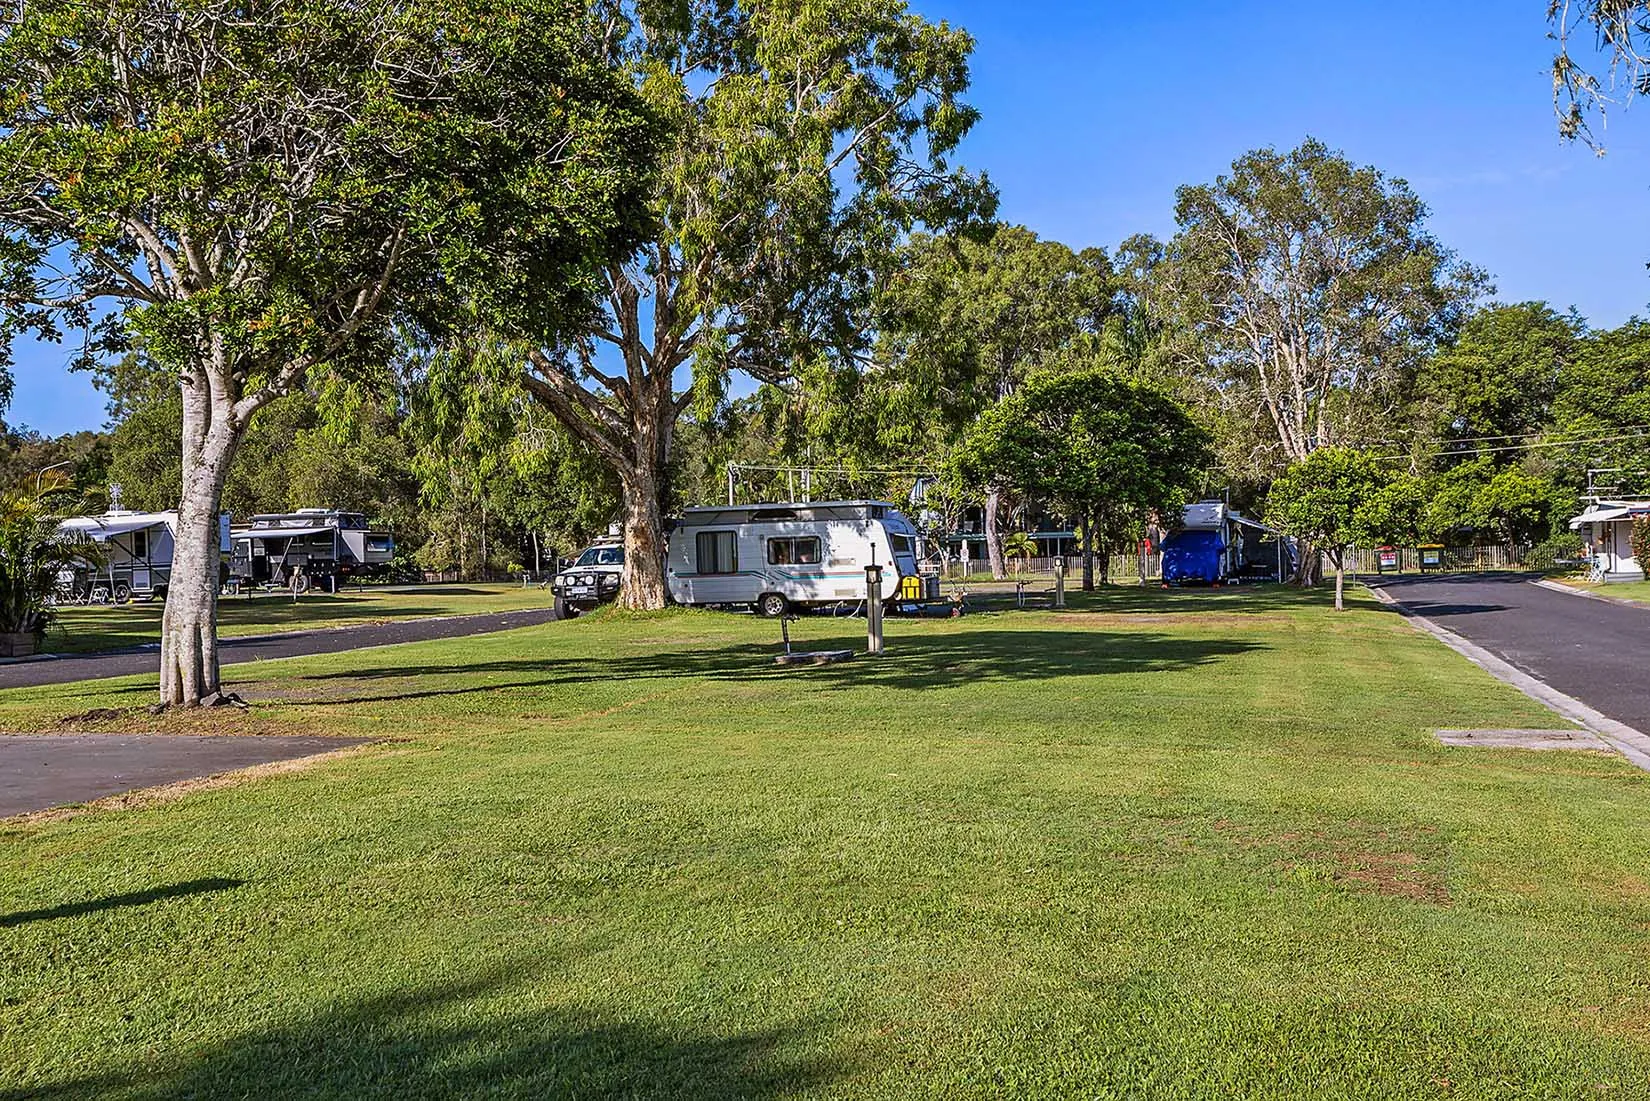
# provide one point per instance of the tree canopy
(257, 189)
(1335, 497)
(806, 141)
(1314, 293)
(1100, 448)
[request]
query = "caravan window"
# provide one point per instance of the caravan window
(718, 551)
(802, 551)
(902, 544)
(140, 544)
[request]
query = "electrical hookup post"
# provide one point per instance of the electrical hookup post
(873, 609)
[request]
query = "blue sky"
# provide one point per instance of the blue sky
(1093, 113)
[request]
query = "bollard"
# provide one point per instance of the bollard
(1059, 581)
(873, 609)
(1020, 593)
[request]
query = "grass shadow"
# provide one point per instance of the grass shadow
(451, 1042)
(914, 662)
(113, 902)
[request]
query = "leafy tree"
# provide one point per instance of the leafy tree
(964, 323)
(1495, 384)
(1336, 497)
(1604, 398)
(1020, 545)
(1638, 538)
(807, 140)
(255, 188)
(1094, 445)
(32, 553)
(1314, 292)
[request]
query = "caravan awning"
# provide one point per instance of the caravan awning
(277, 533)
(101, 531)
(1599, 516)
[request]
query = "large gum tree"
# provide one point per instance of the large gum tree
(810, 137)
(251, 189)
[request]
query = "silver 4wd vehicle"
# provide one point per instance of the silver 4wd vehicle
(590, 579)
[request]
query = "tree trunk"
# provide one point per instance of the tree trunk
(643, 587)
(1088, 554)
(189, 624)
(1308, 567)
(994, 537)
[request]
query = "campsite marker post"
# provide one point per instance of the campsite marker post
(873, 609)
(1059, 581)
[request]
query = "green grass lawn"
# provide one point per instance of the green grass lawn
(1626, 590)
(1167, 845)
(86, 629)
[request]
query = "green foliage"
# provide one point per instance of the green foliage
(1088, 443)
(1554, 553)
(966, 321)
(1339, 496)
(1639, 539)
(1604, 392)
(1020, 545)
(1483, 501)
(32, 552)
(259, 186)
(1498, 379)
(1314, 293)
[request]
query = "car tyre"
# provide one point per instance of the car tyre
(772, 605)
(123, 593)
(561, 609)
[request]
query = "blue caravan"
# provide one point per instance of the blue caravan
(1194, 555)
(1215, 544)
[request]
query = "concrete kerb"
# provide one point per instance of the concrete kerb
(1630, 743)
(1559, 587)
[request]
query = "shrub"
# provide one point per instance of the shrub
(1555, 553)
(1640, 540)
(32, 554)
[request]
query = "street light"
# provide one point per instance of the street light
(39, 478)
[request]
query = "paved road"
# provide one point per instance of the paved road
(38, 771)
(63, 670)
(1594, 650)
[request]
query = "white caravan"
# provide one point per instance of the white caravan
(136, 557)
(773, 556)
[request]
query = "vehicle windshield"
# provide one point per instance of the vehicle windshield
(602, 556)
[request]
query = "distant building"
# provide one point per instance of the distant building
(1606, 528)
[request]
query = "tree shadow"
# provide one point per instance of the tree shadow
(113, 902)
(911, 662)
(451, 1042)
(1432, 609)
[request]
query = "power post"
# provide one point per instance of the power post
(1059, 581)
(873, 609)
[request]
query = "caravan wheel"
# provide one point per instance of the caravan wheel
(772, 605)
(123, 593)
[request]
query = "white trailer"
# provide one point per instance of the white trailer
(136, 560)
(804, 554)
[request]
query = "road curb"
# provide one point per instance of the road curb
(1586, 594)
(1630, 743)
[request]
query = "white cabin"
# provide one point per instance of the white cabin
(776, 555)
(1606, 527)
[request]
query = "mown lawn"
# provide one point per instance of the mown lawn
(87, 629)
(1170, 845)
(1625, 590)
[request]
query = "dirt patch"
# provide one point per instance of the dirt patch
(231, 721)
(1400, 861)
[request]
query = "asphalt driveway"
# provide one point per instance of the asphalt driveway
(1594, 650)
(29, 674)
(38, 771)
